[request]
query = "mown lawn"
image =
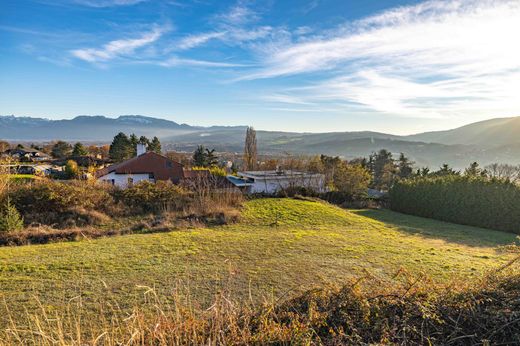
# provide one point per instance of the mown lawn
(279, 248)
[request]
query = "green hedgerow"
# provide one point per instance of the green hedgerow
(475, 201)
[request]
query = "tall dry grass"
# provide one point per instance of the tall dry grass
(403, 310)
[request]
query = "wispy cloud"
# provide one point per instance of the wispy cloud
(239, 14)
(192, 41)
(434, 59)
(119, 48)
(107, 3)
(176, 61)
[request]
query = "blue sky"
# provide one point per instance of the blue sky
(294, 65)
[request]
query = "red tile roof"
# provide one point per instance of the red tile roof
(152, 163)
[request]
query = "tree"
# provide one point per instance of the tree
(445, 170)
(10, 219)
(211, 158)
(155, 145)
(71, 169)
(61, 150)
(330, 164)
(404, 167)
(121, 148)
(351, 179)
(474, 170)
(504, 171)
(381, 164)
(4, 146)
(203, 157)
(144, 140)
(199, 156)
(133, 141)
(79, 150)
(250, 153)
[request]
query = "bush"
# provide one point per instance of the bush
(10, 219)
(474, 201)
(50, 202)
(153, 197)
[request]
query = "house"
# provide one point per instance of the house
(23, 154)
(271, 182)
(146, 166)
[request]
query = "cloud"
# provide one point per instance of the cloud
(196, 40)
(239, 14)
(176, 61)
(119, 48)
(108, 3)
(432, 59)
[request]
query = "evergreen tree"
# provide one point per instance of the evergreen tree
(474, 170)
(381, 164)
(250, 153)
(133, 141)
(121, 148)
(61, 150)
(446, 170)
(144, 140)
(211, 158)
(404, 166)
(155, 145)
(10, 218)
(79, 150)
(199, 157)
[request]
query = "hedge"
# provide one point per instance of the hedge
(474, 201)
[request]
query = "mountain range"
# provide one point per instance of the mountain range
(495, 140)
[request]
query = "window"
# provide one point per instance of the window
(169, 164)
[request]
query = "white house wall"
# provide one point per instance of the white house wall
(121, 180)
(271, 186)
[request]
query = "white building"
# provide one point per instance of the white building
(271, 182)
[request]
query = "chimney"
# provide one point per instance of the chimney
(141, 149)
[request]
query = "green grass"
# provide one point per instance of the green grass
(23, 177)
(281, 247)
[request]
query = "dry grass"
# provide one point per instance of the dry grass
(408, 310)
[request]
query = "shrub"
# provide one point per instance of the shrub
(51, 202)
(10, 219)
(474, 201)
(71, 169)
(153, 197)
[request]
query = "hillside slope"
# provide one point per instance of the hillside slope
(281, 246)
(488, 133)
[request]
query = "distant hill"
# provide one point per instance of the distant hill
(487, 134)
(86, 128)
(495, 140)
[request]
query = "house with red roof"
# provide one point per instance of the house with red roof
(146, 166)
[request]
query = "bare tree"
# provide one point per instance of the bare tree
(504, 171)
(250, 153)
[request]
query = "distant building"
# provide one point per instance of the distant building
(27, 155)
(146, 166)
(271, 182)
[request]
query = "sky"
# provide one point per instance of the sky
(394, 66)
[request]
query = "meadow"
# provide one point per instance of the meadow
(279, 249)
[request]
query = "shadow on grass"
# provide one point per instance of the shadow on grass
(450, 232)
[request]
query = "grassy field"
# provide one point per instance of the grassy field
(279, 248)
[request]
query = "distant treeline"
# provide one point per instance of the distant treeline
(469, 199)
